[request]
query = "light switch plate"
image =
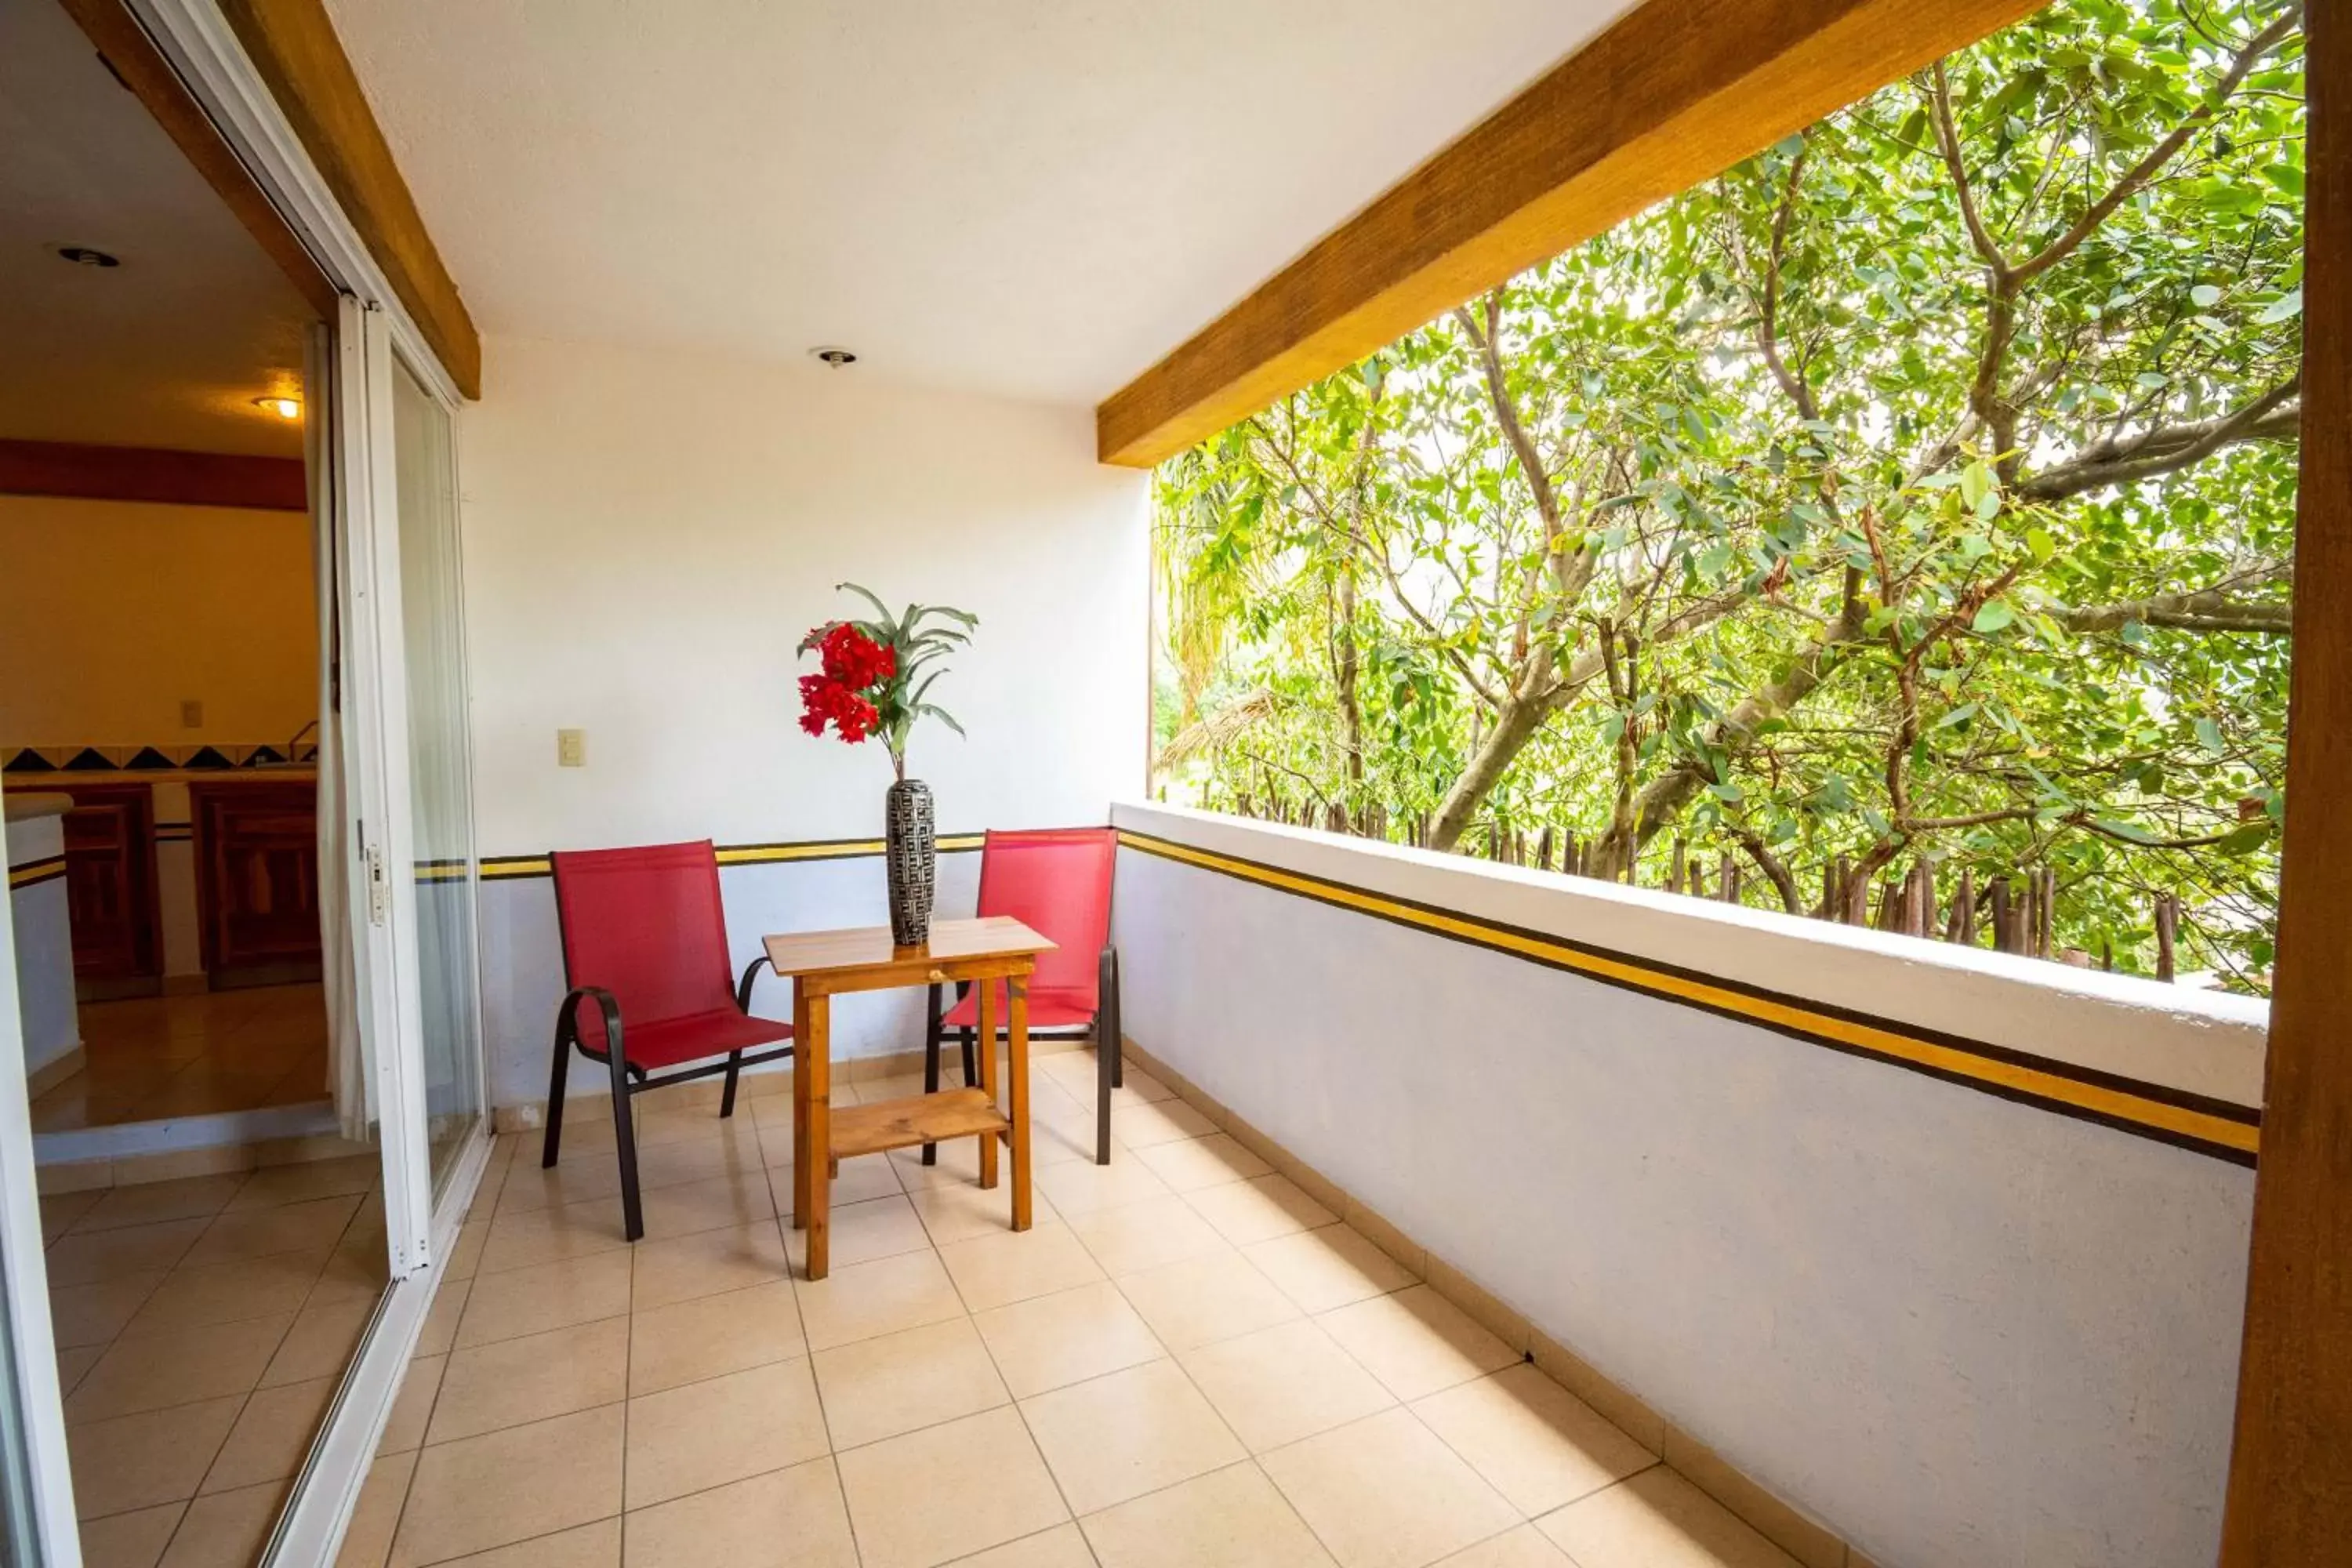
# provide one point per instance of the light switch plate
(571, 748)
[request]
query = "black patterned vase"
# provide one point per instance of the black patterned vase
(913, 859)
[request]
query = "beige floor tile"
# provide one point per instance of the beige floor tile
(1416, 1342)
(148, 1372)
(226, 1529)
(367, 1540)
(224, 1292)
(95, 1314)
(511, 1382)
(319, 1344)
(1538, 1444)
(595, 1545)
(439, 1333)
(134, 1539)
(878, 1298)
(1117, 1437)
(259, 1233)
(1187, 1165)
(1657, 1519)
(862, 1179)
(93, 1256)
(411, 1408)
(1049, 1341)
(1331, 1265)
(1081, 1186)
(712, 1335)
(466, 1256)
(532, 1300)
(948, 1491)
(1282, 1384)
(958, 1165)
(151, 1203)
(278, 1184)
(1145, 1123)
(1206, 1299)
(880, 1387)
(59, 1210)
(74, 1362)
(792, 1517)
(1232, 1518)
(355, 1273)
(690, 1206)
(707, 1262)
(510, 1486)
(862, 1232)
(722, 1429)
(1131, 1237)
(960, 1211)
(539, 1237)
(1060, 1547)
(1259, 1208)
(272, 1435)
(1384, 1492)
(1524, 1547)
(1013, 1266)
(140, 1461)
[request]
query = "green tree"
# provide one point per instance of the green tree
(1918, 492)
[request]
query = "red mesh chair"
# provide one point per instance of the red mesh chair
(645, 939)
(1056, 881)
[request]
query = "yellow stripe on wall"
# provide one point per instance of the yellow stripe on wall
(2115, 1104)
(33, 872)
(509, 867)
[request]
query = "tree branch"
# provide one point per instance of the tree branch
(2275, 415)
(2209, 609)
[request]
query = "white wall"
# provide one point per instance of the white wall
(648, 535)
(1963, 1331)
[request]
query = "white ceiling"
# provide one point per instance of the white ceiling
(1038, 198)
(167, 350)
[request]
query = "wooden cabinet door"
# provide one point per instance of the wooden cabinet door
(110, 881)
(257, 875)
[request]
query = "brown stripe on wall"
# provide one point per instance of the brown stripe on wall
(2198, 1122)
(32, 873)
(79, 472)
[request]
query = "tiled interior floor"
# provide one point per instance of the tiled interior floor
(156, 1058)
(1186, 1362)
(202, 1326)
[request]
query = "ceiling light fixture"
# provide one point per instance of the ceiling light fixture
(83, 256)
(834, 357)
(284, 407)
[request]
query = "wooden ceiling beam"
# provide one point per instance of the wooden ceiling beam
(137, 64)
(293, 45)
(1673, 93)
(75, 471)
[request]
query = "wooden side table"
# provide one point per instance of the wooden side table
(828, 963)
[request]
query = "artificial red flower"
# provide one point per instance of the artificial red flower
(855, 659)
(825, 699)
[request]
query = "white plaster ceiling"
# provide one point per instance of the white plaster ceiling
(170, 348)
(1038, 198)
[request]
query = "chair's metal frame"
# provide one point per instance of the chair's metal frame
(1111, 1054)
(630, 1079)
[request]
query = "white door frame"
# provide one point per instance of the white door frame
(204, 52)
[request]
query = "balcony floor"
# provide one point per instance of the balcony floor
(1186, 1362)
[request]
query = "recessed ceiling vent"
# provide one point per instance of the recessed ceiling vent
(83, 256)
(836, 357)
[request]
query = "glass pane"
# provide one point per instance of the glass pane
(441, 803)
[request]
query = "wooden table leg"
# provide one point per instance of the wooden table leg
(988, 1077)
(813, 1057)
(800, 1103)
(1017, 1065)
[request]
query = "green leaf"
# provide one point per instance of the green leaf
(1993, 616)
(2208, 736)
(2286, 307)
(2038, 541)
(2205, 295)
(2247, 839)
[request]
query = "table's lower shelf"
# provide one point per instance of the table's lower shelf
(918, 1119)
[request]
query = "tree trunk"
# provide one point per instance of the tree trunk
(1514, 726)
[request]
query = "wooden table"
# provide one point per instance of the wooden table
(828, 963)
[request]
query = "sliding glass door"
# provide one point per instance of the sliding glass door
(441, 814)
